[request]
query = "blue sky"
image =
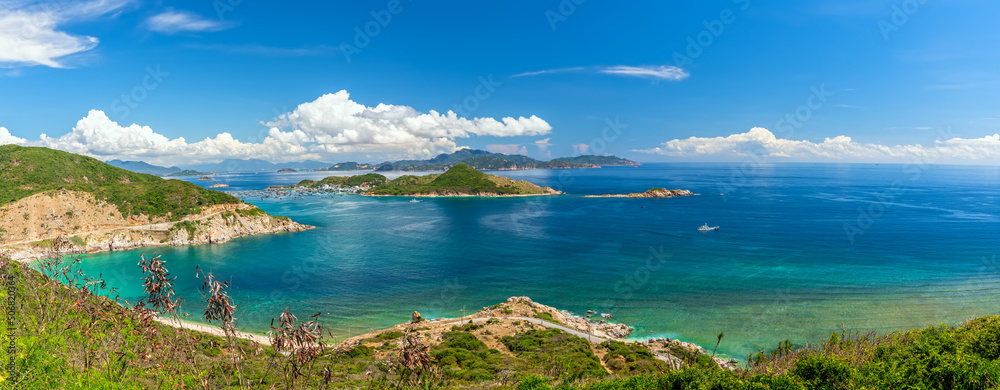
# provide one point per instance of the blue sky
(853, 80)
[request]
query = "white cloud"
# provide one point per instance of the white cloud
(658, 72)
(551, 71)
(759, 142)
(508, 149)
(542, 144)
(170, 22)
(663, 72)
(580, 149)
(6, 138)
(98, 136)
(29, 32)
(331, 124)
(342, 125)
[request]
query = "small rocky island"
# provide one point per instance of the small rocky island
(651, 193)
(459, 180)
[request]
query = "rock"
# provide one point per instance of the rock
(591, 312)
(415, 317)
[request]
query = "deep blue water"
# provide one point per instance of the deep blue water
(803, 249)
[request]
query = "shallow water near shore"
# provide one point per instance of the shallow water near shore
(803, 250)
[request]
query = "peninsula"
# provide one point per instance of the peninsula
(651, 193)
(53, 202)
(460, 180)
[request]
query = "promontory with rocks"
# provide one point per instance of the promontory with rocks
(651, 193)
(54, 202)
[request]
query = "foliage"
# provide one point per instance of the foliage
(460, 179)
(25, 171)
(557, 351)
(631, 358)
(75, 338)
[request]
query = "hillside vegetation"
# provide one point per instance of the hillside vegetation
(25, 171)
(77, 339)
(459, 180)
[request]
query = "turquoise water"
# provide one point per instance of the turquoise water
(781, 266)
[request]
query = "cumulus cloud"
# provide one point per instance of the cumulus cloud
(30, 35)
(98, 136)
(6, 138)
(331, 124)
(580, 149)
(760, 142)
(655, 72)
(341, 125)
(171, 22)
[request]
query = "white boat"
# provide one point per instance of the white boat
(414, 200)
(706, 228)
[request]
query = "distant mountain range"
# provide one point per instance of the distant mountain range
(256, 165)
(478, 159)
(141, 167)
(483, 160)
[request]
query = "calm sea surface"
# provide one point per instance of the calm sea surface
(802, 251)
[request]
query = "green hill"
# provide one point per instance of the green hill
(25, 171)
(459, 180)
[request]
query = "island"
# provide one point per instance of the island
(206, 178)
(218, 185)
(459, 180)
(186, 172)
(348, 166)
(651, 193)
(54, 202)
(287, 170)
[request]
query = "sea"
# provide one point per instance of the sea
(802, 251)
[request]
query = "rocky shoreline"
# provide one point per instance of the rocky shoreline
(58, 227)
(519, 314)
(651, 193)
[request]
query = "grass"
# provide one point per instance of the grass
(460, 179)
(75, 338)
(25, 171)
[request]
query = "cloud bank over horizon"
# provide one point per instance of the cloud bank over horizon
(332, 124)
(762, 143)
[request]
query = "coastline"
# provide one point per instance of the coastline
(513, 315)
(459, 196)
(215, 225)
